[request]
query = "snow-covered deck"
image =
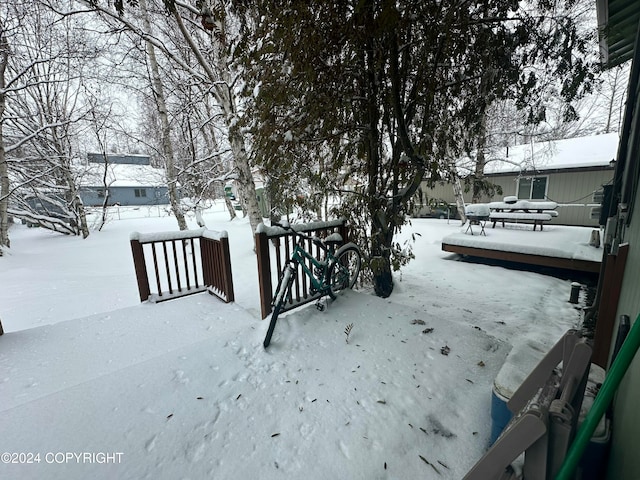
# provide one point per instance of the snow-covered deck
(556, 246)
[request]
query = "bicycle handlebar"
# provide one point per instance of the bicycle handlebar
(314, 239)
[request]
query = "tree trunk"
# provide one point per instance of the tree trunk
(165, 129)
(457, 192)
(381, 238)
(75, 202)
(221, 81)
(230, 208)
(105, 202)
(479, 168)
(4, 190)
(380, 261)
(78, 206)
(481, 140)
(614, 91)
(4, 168)
(246, 185)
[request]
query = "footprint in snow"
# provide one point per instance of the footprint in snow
(151, 443)
(180, 377)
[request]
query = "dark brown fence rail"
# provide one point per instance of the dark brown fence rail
(274, 247)
(182, 263)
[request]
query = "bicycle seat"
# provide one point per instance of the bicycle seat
(333, 239)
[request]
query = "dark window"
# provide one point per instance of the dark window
(140, 192)
(101, 193)
(532, 188)
(524, 188)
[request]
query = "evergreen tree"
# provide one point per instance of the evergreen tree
(383, 93)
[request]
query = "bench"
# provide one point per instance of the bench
(518, 217)
(477, 214)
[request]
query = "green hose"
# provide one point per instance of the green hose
(602, 401)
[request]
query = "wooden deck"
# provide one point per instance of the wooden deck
(539, 260)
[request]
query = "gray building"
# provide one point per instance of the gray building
(124, 180)
(567, 172)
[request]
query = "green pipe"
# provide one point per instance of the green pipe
(602, 401)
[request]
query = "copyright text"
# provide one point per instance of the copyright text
(61, 457)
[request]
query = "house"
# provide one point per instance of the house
(124, 179)
(569, 172)
(619, 288)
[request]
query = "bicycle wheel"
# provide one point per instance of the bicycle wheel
(344, 271)
(286, 279)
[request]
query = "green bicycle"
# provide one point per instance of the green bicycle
(338, 270)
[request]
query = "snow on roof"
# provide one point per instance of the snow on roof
(123, 175)
(592, 151)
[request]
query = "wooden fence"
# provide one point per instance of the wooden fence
(182, 263)
(274, 247)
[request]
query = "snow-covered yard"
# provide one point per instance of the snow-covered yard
(184, 389)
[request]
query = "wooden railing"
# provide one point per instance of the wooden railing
(274, 247)
(182, 263)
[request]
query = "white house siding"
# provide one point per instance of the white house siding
(572, 189)
(626, 423)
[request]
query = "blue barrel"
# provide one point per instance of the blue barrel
(500, 414)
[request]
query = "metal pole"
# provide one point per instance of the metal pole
(603, 399)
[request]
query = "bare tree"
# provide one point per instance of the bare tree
(4, 168)
(212, 70)
(165, 132)
(221, 78)
(41, 63)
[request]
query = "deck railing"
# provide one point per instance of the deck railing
(274, 247)
(182, 263)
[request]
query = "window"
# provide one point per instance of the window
(532, 188)
(140, 192)
(101, 193)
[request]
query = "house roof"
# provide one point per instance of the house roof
(579, 152)
(122, 175)
(617, 27)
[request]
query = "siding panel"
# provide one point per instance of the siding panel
(624, 463)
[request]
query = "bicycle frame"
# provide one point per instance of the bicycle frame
(300, 254)
(319, 271)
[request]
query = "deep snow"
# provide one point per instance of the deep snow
(184, 389)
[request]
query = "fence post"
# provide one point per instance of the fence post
(264, 272)
(141, 269)
(344, 232)
(207, 257)
(226, 269)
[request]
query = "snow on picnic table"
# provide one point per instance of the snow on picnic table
(184, 389)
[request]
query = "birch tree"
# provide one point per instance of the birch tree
(214, 70)
(221, 76)
(4, 168)
(165, 130)
(41, 61)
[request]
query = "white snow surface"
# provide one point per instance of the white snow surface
(554, 241)
(184, 388)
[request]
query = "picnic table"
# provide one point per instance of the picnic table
(523, 211)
